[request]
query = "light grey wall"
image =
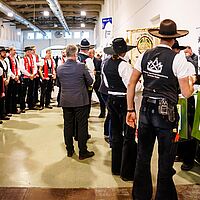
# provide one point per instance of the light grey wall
(42, 44)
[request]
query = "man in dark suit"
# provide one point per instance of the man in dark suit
(74, 79)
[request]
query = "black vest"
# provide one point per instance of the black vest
(115, 82)
(159, 79)
(5, 71)
(82, 57)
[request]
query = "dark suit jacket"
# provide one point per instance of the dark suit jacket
(74, 79)
(97, 64)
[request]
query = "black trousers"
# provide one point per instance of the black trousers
(27, 90)
(152, 125)
(124, 148)
(36, 88)
(11, 97)
(81, 115)
(46, 89)
(187, 148)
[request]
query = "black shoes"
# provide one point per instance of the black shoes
(102, 115)
(1, 122)
(187, 167)
(23, 111)
(5, 118)
(88, 154)
(50, 107)
(70, 153)
(127, 178)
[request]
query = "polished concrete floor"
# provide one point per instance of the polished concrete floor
(32, 154)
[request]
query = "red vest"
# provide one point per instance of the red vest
(46, 70)
(13, 66)
(29, 65)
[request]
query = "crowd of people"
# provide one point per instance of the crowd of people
(166, 72)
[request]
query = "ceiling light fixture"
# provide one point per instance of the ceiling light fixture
(46, 13)
(7, 9)
(82, 25)
(83, 13)
(56, 9)
(10, 14)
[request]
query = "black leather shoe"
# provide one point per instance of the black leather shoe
(187, 167)
(102, 115)
(70, 153)
(50, 107)
(88, 154)
(1, 122)
(127, 178)
(89, 136)
(5, 118)
(23, 111)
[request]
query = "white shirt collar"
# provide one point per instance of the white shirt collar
(164, 45)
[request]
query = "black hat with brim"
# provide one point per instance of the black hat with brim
(3, 49)
(168, 30)
(27, 49)
(176, 46)
(118, 46)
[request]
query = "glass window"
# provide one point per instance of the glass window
(39, 35)
(67, 36)
(77, 35)
(48, 35)
(30, 36)
(85, 34)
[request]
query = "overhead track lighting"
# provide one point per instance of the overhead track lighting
(7, 10)
(56, 9)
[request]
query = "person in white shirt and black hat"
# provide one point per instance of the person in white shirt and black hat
(116, 73)
(163, 70)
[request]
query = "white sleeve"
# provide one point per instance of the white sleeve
(10, 73)
(138, 63)
(125, 70)
(22, 68)
(1, 71)
(90, 66)
(181, 67)
(104, 76)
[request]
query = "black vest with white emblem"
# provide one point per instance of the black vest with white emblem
(159, 79)
(115, 82)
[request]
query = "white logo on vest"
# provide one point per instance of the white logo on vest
(154, 66)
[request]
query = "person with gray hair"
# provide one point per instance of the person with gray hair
(74, 79)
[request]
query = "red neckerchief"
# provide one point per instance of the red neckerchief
(29, 65)
(46, 73)
(37, 58)
(14, 66)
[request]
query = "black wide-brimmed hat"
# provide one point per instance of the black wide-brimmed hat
(177, 46)
(27, 49)
(118, 46)
(85, 45)
(168, 30)
(2, 49)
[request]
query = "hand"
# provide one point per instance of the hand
(32, 76)
(16, 78)
(6, 82)
(192, 79)
(131, 119)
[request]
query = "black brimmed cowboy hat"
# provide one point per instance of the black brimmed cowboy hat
(118, 46)
(3, 49)
(177, 46)
(168, 30)
(85, 45)
(27, 49)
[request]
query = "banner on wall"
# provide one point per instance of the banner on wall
(107, 28)
(142, 39)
